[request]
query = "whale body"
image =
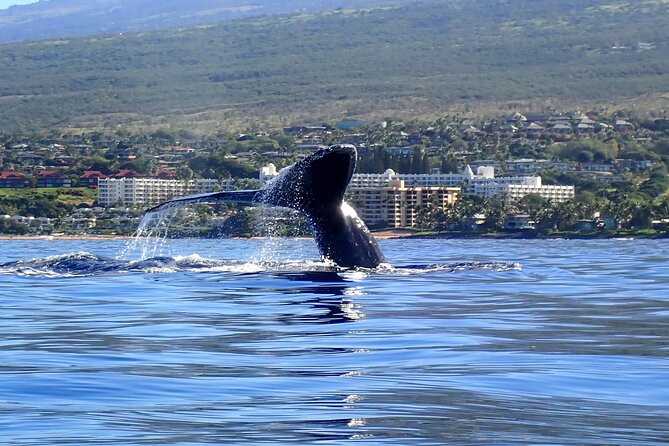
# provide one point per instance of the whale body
(314, 186)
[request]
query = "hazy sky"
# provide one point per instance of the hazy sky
(7, 3)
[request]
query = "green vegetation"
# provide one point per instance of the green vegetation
(588, 151)
(424, 56)
(628, 205)
(47, 202)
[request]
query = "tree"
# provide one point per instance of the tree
(13, 228)
(587, 150)
(566, 215)
(532, 204)
(241, 224)
(184, 173)
(496, 208)
(449, 164)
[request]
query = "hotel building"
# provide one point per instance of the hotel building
(482, 183)
(394, 199)
(148, 191)
(397, 205)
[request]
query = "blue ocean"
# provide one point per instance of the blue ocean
(454, 342)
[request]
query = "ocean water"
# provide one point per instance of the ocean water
(456, 342)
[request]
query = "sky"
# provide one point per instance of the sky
(4, 4)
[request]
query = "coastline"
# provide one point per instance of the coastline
(64, 237)
(528, 235)
(400, 233)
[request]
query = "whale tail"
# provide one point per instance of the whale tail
(315, 186)
(248, 197)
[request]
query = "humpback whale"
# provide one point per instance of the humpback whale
(314, 186)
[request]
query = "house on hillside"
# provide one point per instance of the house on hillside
(585, 129)
(30, 158)
(535, 130)
(60, 161)
(399, 151)
(562, 129)
(508, 130)
(122, 151)
(633, 165)
(597, 167)
(299, 130)
(165, 174)
(102, 144)
(90, 178)
(53, 178)
(13, 180)
(622, 125)
(127, 173)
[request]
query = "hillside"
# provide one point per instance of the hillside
(426, 55)
(70, 18)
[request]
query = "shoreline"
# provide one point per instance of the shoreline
(531, 236)
(65, 237)
(393, 234)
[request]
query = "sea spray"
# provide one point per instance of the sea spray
(149, 239)
(269, 218)
(272, 223)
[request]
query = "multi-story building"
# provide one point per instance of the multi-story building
(397, 205)
(393, 199)
(151, 190)
(517, 187)
(528, 166)
(483, 183)
(419, 180)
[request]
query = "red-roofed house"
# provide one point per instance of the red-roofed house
(53, 178)
(13, 180)
(127, 173)
(165, 174)
(90, 178)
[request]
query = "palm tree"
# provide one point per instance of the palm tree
(566, 215)
(496, 209)
(661, 207)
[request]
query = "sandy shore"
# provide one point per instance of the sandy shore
(382, 235)
(387, 234)
(63, 237)
(394, 233)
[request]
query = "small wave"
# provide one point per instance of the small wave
(86, 264)
(82, 264)
(451, 267)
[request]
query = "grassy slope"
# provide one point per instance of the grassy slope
(71, 196)
(425, 56)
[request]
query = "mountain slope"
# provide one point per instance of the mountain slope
(70, 18)
(433, 52)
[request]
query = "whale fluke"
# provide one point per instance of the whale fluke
(232, 196)
(315, 186)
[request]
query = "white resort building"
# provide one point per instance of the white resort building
(422, 179)
(394, 199)
(147, 191)
(482, 183)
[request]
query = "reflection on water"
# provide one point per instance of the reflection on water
(503, 342)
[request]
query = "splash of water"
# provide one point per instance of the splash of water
(150, 238)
